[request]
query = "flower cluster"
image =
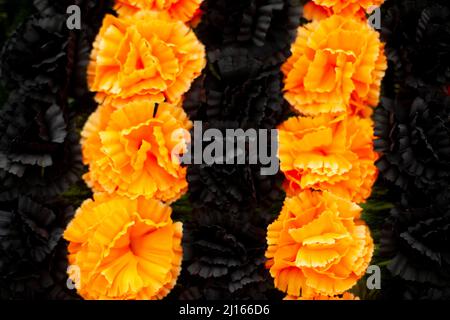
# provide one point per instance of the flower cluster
(145, 54)
(412, 127)
(124, 243)
(241, 88)
(124, 249)
(336, 66)
(328, 153)
(265, 27)
(128, 150)
(32, 250)
(319, 247)
(224, 257)
(40, 156)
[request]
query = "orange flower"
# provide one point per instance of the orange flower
(352, 8)
(124, 249)
(328, 153)
(183, 10)
(129, 149)
(336, 66)
(312, 11)
(317, 245)
(345, 296)
(145, 54)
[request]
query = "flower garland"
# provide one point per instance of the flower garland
(318, 246)
(39, 152)
(246, 42)
(123, 242)
(412, 126)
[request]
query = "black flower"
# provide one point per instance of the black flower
(224, 257)
(36, 51)
(413, 132)
(417, 36)
(417, 239)
(266, 27)
(237, 88)
(39, 149)
(236, 181)
(33, 261)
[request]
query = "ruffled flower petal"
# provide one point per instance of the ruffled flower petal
(129, 149)
(352, 8)
(183, 10)
(336, 66)
(124, 249)
(318, 245)
(144, 54)
(328, 153)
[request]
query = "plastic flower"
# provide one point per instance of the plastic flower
(345, 296)
(134, 150)
(336, 66)
(413, 138)
(124, 249)
(36, 51)
(39, 150)
(33, 263)
(317, 245)
(225, 256)
(238, 91)
(183, 10)
(145, 54)
(326, 153)
(266, 27)
(355, 8)
(417, 37)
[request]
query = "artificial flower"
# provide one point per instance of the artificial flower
(124, 248)
(318, 245)
(417, 37)
(33, 262)
(132, 149)
(234, 188)
(224, 256)
(417, 240)
(336, 66)
(413, 138)
(183, 10)
(318, 9)
(265, 27)
(146, 54)
(328, 153)
(39, 150)
(345, 296)
(240, 92)
(312, 11)
(36, 52)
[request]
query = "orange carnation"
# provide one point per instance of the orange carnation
(183, 10)
(124, 249)
(317, 245)
(341, 7)
(336, 66)
(345, 296)
(145, 54)
(129, 149)
(328, 153)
